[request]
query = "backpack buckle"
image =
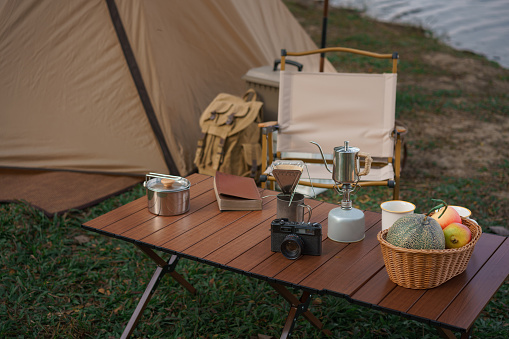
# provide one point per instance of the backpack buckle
(230, 119)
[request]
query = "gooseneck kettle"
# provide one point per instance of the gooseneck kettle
(345, 223)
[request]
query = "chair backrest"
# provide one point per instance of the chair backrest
(330, 108)
(333, 107)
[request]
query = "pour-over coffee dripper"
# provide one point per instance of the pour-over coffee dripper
(287, 174)
(346, 223)
(290, 204)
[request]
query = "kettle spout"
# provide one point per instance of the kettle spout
(323, 157)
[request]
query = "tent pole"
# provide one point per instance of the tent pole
(140, 86)
(324, 33)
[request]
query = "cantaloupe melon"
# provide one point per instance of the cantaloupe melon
(416, 231)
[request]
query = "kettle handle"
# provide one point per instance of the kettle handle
(367, 163)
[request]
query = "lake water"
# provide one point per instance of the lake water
(479, 26)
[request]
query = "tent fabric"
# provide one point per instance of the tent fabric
(66, 100)
(67, 97)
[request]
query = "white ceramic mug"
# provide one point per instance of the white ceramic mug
(462, 211)
(393, 210)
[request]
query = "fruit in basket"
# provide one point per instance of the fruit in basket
(416, 231)
(457, 235)
(446, 216)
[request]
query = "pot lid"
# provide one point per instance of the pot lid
(166, 184)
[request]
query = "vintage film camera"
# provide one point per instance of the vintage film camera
(294, 239)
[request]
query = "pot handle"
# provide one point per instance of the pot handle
(367, 163)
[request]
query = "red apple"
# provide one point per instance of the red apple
(456, 235)
(450, 215)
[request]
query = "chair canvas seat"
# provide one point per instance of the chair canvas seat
(331, 108)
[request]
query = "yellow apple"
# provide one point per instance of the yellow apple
(456, 235)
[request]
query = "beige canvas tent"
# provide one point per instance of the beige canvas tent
(117, 86)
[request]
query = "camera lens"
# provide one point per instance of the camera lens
(292, 246)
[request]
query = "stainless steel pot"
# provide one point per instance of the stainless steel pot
(167, 194)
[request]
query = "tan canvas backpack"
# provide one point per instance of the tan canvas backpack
(230, 140)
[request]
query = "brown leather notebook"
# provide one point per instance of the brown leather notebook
(236, 193)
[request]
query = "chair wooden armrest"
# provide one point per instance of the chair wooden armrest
(267, 124)
(268, 127)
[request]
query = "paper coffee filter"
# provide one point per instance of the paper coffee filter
(297, 165)
(288, 167)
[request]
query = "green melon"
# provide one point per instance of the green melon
(416, 231)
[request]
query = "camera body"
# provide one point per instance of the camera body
(294, 239)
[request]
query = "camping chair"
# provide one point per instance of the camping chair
(330, 108)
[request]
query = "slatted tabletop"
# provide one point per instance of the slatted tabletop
(240, 241)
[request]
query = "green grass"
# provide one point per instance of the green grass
(60, 281)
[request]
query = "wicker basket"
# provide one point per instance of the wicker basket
(422, 269)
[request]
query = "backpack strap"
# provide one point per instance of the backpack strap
(246, 95)
(252, 154)
(220, 146)
(199, 149)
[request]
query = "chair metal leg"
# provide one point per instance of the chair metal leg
(264, 156)
(270, 144)
(163, 267)
(267, 129)
(297, 307)
(397, 166)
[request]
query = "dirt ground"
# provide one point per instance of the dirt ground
(460, 144)
(470, 143)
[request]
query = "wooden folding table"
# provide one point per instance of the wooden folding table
(240, 241)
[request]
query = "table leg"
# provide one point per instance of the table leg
(297, 307)
(448, 334)
(160, 262)
(163, 267)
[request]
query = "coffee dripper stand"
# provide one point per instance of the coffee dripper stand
(346, 223)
